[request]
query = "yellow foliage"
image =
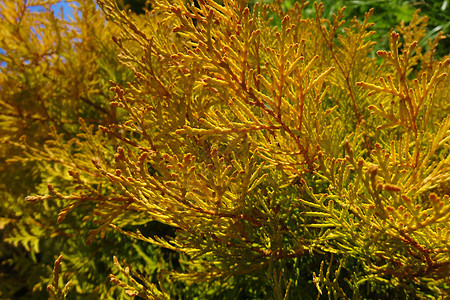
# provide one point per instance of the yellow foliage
(265, 146)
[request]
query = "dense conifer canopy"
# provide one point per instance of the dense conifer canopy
(222, 150)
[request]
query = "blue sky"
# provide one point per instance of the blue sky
(65, 6)
(56, 8)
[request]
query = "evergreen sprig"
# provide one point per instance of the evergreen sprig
(271, 153)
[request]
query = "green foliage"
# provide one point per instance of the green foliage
(237, 159)
(389, 14)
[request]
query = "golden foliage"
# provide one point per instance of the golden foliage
(264, 144)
